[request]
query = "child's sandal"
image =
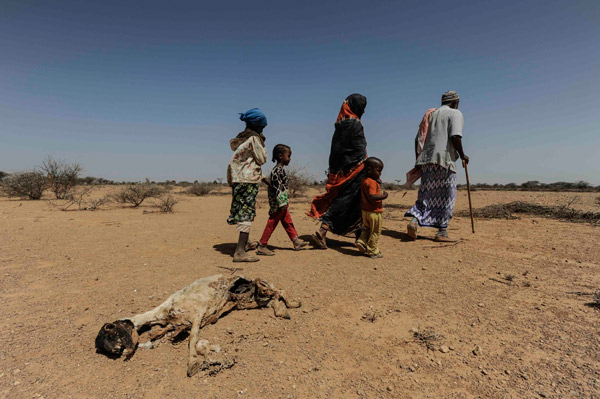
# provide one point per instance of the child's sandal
(299, 244)
(361, 247)
(263, 250)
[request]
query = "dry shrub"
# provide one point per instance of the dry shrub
(200, 189)
(298, 180)
(428, 337)
(166, 205)
(79, 200)
(508, 211)
(136, 194)
(596, 298)
(62, 176)
(392, 186)
(29, 185)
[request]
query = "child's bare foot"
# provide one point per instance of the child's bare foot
(299, 244)
(244, 257)
(263, 250)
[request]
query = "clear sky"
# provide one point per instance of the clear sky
(136, 89)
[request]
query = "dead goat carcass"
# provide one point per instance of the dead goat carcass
(191, 308)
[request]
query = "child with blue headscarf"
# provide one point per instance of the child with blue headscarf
(244, 175)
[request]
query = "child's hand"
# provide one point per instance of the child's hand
(384, 195)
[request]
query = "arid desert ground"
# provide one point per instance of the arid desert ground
(503, 313)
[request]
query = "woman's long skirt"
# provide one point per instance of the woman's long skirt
(437, 196)
(243, 203)
(344, 215)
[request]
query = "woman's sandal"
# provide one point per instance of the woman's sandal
(319, 240)
(245, 258)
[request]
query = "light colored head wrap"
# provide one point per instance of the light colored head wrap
(449, 96)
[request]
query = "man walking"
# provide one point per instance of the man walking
(442, 147)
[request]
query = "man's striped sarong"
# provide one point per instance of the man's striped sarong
(437, 195)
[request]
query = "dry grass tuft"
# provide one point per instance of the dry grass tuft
(200, 189)
(510, 210)
(428, 337)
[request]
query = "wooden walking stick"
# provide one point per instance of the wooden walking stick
(469, 193)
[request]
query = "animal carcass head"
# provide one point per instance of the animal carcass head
(119, 337)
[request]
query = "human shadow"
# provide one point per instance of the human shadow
(404, 237)
(226, 248)
(593, 305)
(343, 247)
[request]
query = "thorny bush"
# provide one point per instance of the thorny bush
(137, 193)
(29, 185)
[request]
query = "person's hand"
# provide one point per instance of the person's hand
(465, 159)
(385, 194)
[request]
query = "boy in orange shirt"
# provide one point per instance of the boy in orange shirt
(372, 209)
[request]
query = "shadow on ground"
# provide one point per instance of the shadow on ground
(402, 236)
(226, 248)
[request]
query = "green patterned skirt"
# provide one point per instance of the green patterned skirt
(243, 203)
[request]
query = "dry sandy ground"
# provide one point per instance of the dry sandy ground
(64, 274)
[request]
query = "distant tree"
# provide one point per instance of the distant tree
(3, 175)
(62, 176)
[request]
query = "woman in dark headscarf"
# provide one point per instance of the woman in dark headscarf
(339, 208)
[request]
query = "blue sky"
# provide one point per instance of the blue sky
(153, 89)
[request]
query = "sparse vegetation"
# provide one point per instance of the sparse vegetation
(298, 180)
(3, 175)
(81, 201)
(62, 176)
(508, 211)
(535, 185)
(510, 277)
(135, 194)
(166, 205)
(596, 298)
(29, 185)
(200, 189)
(428, 337)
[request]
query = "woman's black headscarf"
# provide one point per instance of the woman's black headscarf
(357, 103)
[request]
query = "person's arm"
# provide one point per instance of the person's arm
(266, 180)
(378, 197)
(259, 152)
(417, 147)
(457, 143)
